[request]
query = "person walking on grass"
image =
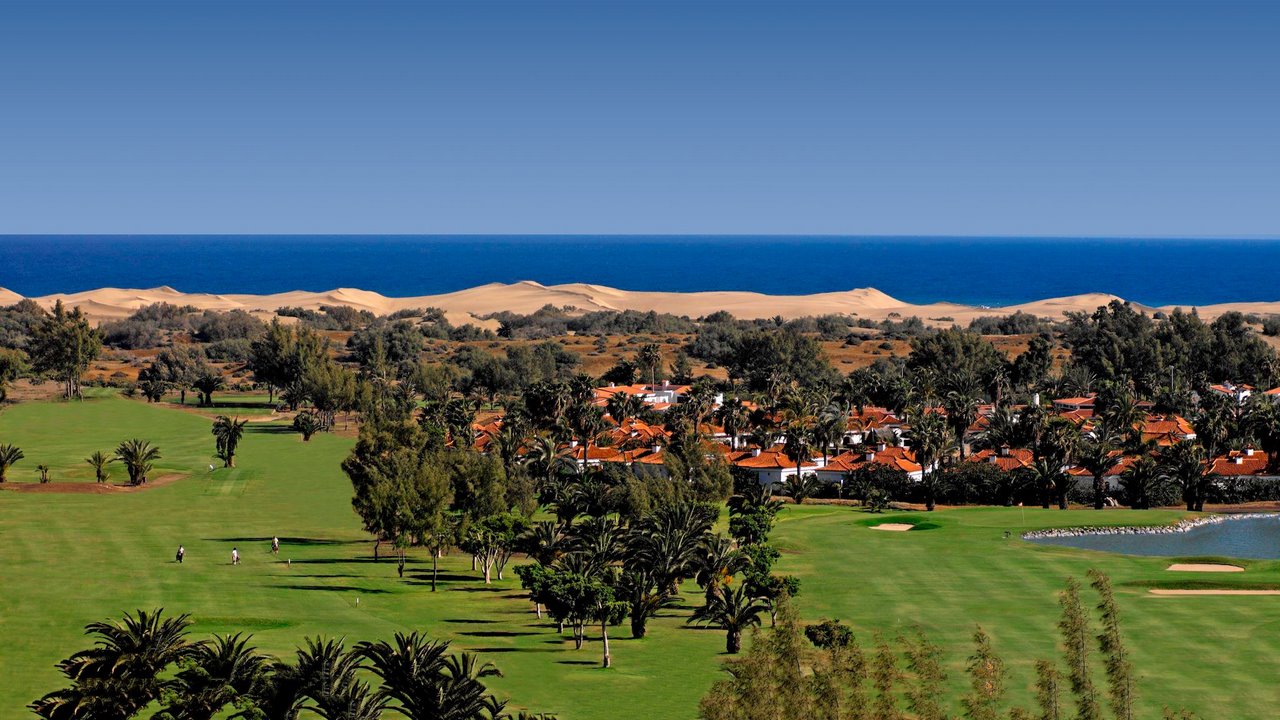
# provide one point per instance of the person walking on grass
(235, 556)
(182, 552)
(275, 546)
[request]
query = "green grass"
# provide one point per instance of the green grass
(66, 560)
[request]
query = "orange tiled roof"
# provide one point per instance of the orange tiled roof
(1239, 462)
(1006, 458)
(895, 457)
(768, 460)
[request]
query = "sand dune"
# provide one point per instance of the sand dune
(527, 296)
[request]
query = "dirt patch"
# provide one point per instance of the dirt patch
(1169, 592)
(89, 488)
(893, 527)
(1204, 567)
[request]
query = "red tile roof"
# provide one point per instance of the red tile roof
(1239, 462)
(1006, 458)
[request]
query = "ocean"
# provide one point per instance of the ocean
(975, 271)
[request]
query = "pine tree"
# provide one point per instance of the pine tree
(885, 675)
(1075, 634)
(1119, 670)
(1048, 690)
(924, 694)
(986, 672)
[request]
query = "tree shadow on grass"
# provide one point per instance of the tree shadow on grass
(442, 577)
(475, 589)
(497, 633)
(303, 541)
(334, 588)
(470, 621)
(265, 429)
(577, 662)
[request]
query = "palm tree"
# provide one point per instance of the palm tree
(829, 428)
(222, 672)
(99, 462)
(306, 424)
(327, 674)
(227, 433)
(1187, 464)
(798, 443)
(121, 674)
(931, 441)
(645, 594)
(1140, 481)
(650, 358)
(962, 412)
(734, 610)
(623, 405)
(424, 682)
(718, 561)
(732, 415)
(9, 454)
(44, 473)
(803, 486)
(1049, 477)
(1097, 456)
(207, 382)
(138, 457)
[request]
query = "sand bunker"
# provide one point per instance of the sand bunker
(1161, 591)
(893, 527)
(1204, 567)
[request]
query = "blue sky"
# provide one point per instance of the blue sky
(958, 118)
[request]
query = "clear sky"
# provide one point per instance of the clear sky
(1031, 117)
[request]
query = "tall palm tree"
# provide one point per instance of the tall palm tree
(931, 441)
(829, 428)
(1052, 480)
(222, 672)
(99, 462)
(645, 594)
(138, 457)
(123, 672)
(1096, 455)
(9, 454)
(227, 433)
(962, 411)
(798, 443)
(733, 416)
(649, 358)
(734, 610)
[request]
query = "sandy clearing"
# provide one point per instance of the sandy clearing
(527, 296)
(89, 488)
(893, 527)
(1170, 592)
(1204, 567)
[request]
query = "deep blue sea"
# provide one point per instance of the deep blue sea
(978, 271)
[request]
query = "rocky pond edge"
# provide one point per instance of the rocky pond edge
(1183, 525)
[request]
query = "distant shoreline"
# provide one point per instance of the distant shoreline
(472, 304)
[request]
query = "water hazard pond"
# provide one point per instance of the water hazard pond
(1255, 538)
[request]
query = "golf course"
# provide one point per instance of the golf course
(71, 557)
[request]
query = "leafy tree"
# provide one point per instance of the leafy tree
(63, 345)
(138, 457)
(13, 365)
